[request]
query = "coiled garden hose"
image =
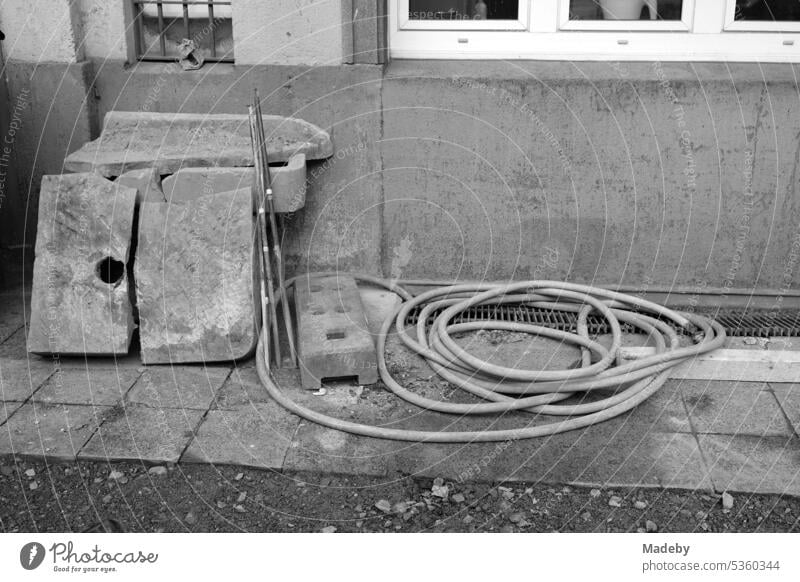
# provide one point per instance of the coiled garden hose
(503, 389)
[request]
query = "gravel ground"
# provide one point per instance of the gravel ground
(78, 496)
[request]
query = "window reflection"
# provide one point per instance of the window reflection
(463, 9)
(625, 9)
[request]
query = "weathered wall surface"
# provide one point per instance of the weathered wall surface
(41, 30)
(287, 32)
(340, 225)
(643, 175)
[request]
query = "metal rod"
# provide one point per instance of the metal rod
(213, 27)
(161, 36)
(263, 243)
(186, 33)
(276, 240)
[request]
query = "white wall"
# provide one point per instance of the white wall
(103, 25)
(41, 31)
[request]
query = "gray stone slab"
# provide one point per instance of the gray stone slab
(53, 431)
(92, 385)
(146, 182)
(288, 183)
(7, 408)
(242, 387)
(788, 396)
(178, 386)
(753, 464)
(745, 408)
(170, 141)
(80, 303)
(194, 276)
(253, 435)
(12, 316)
(19, 379)
(133, 433)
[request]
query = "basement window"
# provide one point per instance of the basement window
(161, 26)
(599, 30)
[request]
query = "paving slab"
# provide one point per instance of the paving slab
(80, 303)
(7, 409)
(243, 386)
(192, 387)
(19, 379)
(253, 435)
(788, 396)
(748, 463)
(133, 140)
(746, 408)
(194, 276)
(142, 433)
(15, 347)
(635, 449)
(12, 315)
(146, 182)
(53, 431)
(92, 385)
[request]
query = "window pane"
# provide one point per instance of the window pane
(463, 9)
(625, 9)
(769, 10)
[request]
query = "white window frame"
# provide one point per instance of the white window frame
(547, 34)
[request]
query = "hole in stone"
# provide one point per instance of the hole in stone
(110, 270)
(335, 334)
(342, 309)
(316, 288)
(278, 164)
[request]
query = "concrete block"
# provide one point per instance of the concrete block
(195, 280)
(54, 431)
(79, 303)
(178, 386)
(288, 183)
(146, 182)
(143, 434)
(333, 337)
(170, 141)
(92, 386)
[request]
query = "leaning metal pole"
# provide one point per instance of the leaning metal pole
(266, 180)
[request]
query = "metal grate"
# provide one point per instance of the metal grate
(736, 323)
(161, 24)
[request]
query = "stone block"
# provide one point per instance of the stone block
(80, 302)
(333, 336)
(146, 182)
(195, 280)
(288, 183)
(133, 140)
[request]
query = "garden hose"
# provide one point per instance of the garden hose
(602, 387)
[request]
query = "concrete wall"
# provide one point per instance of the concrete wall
(642, 175)
(41, 30)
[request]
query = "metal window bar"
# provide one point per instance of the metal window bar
(142, 52)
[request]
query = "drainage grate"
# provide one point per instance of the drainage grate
(736, 323)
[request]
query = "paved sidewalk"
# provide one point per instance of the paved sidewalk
(735, 436)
